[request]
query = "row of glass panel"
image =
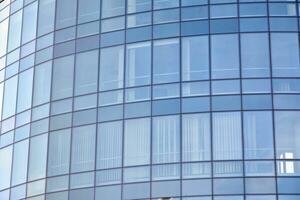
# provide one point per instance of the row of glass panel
(224, 63)
(66, 16)
(229, 140)
(218, 187)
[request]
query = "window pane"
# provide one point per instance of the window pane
(37, 157)
(20, 159)
(138, 6)
(196, 137)
(15, 25)
(227, 139)
(3, 38)
(10, 97)
(88, 10)
(5, 167)
(29, 22)
(46, 16)
(86, 72)
(65, 13)
(137, 142)
(42, 83)
(112, 8)
(195, 58)
(225, 56)
(62, 85)
(138, 64)
(258, 135)
(83, 148)
(111, 68)
(287, 135)
(255, 55)
(285, 54)
(25, 90)
(166, 139)
(59, 152)
(166, 61)
(109, 143)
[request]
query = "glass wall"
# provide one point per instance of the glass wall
(149, 99)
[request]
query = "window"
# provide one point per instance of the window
(285, 54)
(138, 6)
(59, 152)
(3, 38)
(258, 135)
(255, 55)
(20, 159)
(166, 139)
(62, 85)
(29, 22)
(88, 11)
(138, 64)
(5, 167)
(86, 75)
(111, 68)
(42, 83)
(196, 137)
(25, 90)
(195, 58)
(227, 139)
(15, 25)
(160, 4)
(137, 142)
(46, 17)
(222, 11)
(225, 56)
(83, 148)
(112, 8)
(109, 143)
(10, 97)
(166, 61)
(37, 157)
(287, 134)
(65, 13)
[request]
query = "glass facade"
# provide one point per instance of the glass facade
(149, 99)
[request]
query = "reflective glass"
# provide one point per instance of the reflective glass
(112, 8)
(20, 159)
(138, 64)
(196, 137)
(109, 143)
(10, 97)
(65, 13)
(37, 157)
(227, 138)
(5, 167)
(88, 10)
(137, 142)
(285, 54)
(166, 61)
(195, 58)
(42, 83)
(111, 68)
(83, 148)
(287, 134)
(14, 32)
(166, 140)
(24, 88)
(59, 152)
(258, 135)
(225, 56)
(29, 22)
(86, 74)
(63, 70)
(46, 16)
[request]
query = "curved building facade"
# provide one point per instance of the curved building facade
(149, 99)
